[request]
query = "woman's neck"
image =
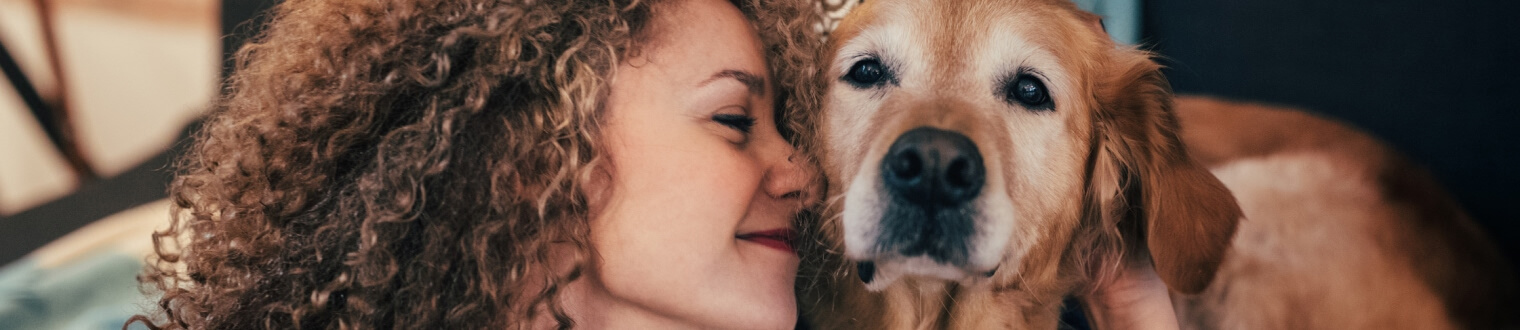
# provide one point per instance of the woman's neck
(593, 307)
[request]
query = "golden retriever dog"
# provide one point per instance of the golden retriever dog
(988, 158)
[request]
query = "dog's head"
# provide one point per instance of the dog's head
(968, 139)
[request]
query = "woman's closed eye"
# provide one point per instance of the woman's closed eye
(738, 122)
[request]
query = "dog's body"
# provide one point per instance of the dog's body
(987, 159)
(1341, 232)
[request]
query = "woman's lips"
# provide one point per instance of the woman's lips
(780, 239)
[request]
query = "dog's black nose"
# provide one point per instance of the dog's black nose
(933, 168)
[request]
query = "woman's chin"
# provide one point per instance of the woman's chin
(766, 301)
(777, 311)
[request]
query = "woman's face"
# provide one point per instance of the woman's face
(695, 228)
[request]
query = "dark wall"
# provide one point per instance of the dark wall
(1439, 80)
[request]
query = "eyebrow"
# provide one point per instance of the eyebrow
(753, 82)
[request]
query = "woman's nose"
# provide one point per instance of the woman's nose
(792, 177)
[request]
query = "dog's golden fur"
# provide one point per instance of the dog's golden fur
(1105, 181)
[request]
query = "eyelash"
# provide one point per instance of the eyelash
(742, 123)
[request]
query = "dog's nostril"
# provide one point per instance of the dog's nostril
(906, 165)
(959, 174)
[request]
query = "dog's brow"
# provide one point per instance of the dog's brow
(753, 82)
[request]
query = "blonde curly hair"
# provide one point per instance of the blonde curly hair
(408, 163)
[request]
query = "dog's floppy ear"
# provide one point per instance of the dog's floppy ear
(1093, 22)
(1145, 184)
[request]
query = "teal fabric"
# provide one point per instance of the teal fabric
(1120, 17)
(95, 292)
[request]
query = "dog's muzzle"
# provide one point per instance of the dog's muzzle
(931, 177)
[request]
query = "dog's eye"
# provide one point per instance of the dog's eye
(1029, 91)
(866, 73)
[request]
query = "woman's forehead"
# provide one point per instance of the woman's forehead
(704, 37)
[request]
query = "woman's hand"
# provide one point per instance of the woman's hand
(1135, 298)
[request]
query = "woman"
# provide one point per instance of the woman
(474, 164)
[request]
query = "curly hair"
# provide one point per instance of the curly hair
(408, 163)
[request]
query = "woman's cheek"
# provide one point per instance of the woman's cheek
(724, 178)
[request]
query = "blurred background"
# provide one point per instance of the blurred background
(96, 94)
(99, 96)
(135, 71)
